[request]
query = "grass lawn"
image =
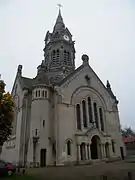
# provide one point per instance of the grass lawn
(16, 177)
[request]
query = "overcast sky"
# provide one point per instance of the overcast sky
(104, 29)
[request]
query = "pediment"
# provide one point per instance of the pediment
(93, 130)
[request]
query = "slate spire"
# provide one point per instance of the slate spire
(59, 25)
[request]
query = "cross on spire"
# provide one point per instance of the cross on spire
(59, 5)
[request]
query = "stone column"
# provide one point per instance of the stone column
(114, 148)
(86, 152)
(78, 153)
(89, 151)
(103, 151)
(99, 151)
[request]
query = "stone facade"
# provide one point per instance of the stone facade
(63, 115)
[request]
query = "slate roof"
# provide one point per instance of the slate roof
(41, 79)
(70, 75)
(26, 82)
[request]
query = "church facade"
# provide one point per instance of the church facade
(63, 115)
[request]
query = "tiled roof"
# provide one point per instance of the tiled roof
(129, 139)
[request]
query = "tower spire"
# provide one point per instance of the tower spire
(59, 22)
(59, 51)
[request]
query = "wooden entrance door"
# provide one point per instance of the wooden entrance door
(43, 157)
(122, 152)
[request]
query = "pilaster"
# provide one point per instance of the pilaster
(78, 153)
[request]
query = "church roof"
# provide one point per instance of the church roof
(41, 78)
(70, 75)
(26, 82)
(77, 70)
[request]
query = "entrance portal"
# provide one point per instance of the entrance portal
(95, 148)
(43, 157)
(82, 151)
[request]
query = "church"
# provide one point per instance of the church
(64, 115)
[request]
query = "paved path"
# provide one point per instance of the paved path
(118, 169)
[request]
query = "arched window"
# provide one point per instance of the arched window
(53, 57)
(90, 110)
(43, 123)
(65, 57)
(113, 146)
(53, 54)
(68, 147)
(84, 114)
(78, 115)
(68, 58)
(35, 132)
(107, 150)
(45, 93)
(36, 94)
(58, 57)
(96, 114)
(101, 119)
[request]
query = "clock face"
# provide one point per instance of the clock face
(66, 37)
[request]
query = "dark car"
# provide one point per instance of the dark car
(7, 167)
(3, 169)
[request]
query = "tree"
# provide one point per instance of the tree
(127, 132)
(6, 113)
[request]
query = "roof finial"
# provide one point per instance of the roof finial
(108, 84)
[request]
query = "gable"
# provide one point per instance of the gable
(16, 86)
(77, 81)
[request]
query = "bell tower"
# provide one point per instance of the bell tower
(59, 51)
